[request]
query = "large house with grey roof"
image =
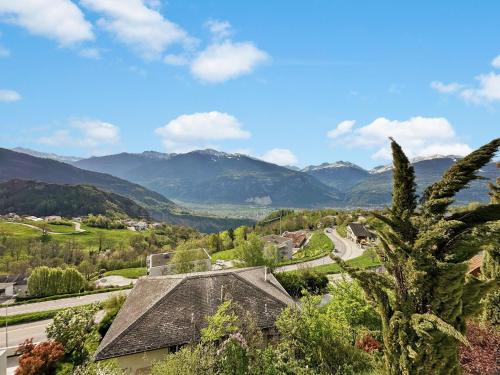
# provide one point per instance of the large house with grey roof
(163, 313)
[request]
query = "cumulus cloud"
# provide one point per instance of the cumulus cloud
(419, 136)
(496, 62)
(488, 90)
(219, 29)
(8, 96)
(226, 60)
(89, 134)
(446, 88)
(60, 20)
(342, 128)
(138, 24)
(280, 156)
(485, 92)
(198, 130)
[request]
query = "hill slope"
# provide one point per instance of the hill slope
(42, 199)
(15, 165)
(209, 176)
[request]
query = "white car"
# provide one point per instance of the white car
(219, 263)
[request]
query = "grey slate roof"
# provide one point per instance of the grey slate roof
(359, 230)
(166, 311)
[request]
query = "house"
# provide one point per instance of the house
(298, 238)
(160, 264)
(284, 245)
(19, 285)
(164, 313)
(33, 218)
(357, 232)
(52, 218)
(475, 265)
(140, 226)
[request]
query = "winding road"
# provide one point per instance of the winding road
(344, 248)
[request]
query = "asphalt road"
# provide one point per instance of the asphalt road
(21, 332)
(343, 248)
(60, 303)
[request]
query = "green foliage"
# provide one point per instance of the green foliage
(45, 281)
(28, 317)
(307, 280)
(101, 221)
(251, 251)
(190, 360)
(221, 324)
(72, 327)
(425, 298)
(112, 306)
(130, 273)
(190, 260)
(315, 341)
(342, 230)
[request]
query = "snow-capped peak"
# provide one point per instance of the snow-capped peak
(337, 164)
(388, 167)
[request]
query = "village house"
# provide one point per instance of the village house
(164, 313)
(357, 233)
(298, 238)
(160, 264)
(284, 245)
(33, 218)
(12, 285)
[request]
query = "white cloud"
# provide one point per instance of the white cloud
(280, 156)
(226, 60)
(219, 29)
(487, 92)
(342, 128)
(89, 134)
(446, 88)
(138, 24)
(419, 136)
(8, 96)
(90, 53)
(496, 62)
(197, 130)
(60, 20)
(176, 60)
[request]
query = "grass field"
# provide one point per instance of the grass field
(130, 273)
(89, 239)
(342, 230)
(224, 255)
(318, 244)
(363, 261)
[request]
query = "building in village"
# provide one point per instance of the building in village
(358, 233)
(161, 264)
(284, 245)
(164, 313)
(13, 285)
(298, 238)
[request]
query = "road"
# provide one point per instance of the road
(21, 332)
(344, 248)
(61, 303)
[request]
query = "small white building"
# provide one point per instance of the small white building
(6, 289)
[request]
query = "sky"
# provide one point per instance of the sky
(288, 81)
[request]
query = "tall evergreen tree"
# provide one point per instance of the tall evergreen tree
(426, 294)
(491, 263)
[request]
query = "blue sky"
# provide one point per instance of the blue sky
(293, 82)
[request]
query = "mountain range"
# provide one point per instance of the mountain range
(214, 177)
(17, 165)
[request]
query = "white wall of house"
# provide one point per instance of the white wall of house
(140, 363)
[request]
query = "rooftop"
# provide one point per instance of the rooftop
(359, 230)
(166, 311)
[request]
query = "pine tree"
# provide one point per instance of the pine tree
(491, 264)
(426, 294)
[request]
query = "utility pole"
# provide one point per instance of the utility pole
(6, 325)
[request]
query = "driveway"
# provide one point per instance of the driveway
(344, 248)
(61, 303)
(109, 281)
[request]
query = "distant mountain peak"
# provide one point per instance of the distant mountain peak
(47, 155)
(418, 159)
(157, 155)
(337, 164)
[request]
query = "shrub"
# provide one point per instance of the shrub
(39, 359)
(295, 283)
(45, 281)
(368, 343)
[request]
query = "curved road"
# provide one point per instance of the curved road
(345, 249)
